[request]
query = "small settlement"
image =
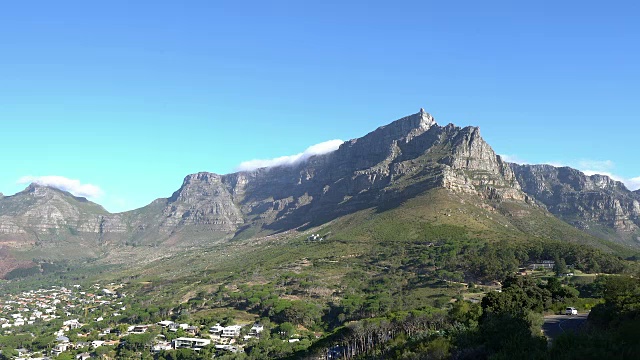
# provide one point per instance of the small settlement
(67, 306)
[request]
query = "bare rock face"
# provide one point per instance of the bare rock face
(202, 200)
(584, 201)
(380, 170)
(390, 164)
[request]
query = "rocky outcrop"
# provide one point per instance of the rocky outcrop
(584, 201)
(202, 200)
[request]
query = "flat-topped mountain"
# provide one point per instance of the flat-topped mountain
(380, 170)
(391, 164)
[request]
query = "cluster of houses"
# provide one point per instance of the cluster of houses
(315, 237)
(47, 304)
(223, 337)
(68, 304)
(57, 302)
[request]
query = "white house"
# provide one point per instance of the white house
(60, 348)
(165, 323)
(161, 346)
(231, 348)
(216, 329)
(191, 343)
(256, 329)
(231, 331)
(72, 324)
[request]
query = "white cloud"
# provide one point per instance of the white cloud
(589, 172)
(605, 167)
(318, 149)
(633, 183)
(513, 159)
(596, 165)
(60, 182)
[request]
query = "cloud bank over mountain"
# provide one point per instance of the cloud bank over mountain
(73, 186)
(317, 149)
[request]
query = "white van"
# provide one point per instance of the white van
(571, 311)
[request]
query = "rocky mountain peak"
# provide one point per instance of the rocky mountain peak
(38, 190)
(48, 192)
(410, 126)
(202, 176)
(197, 183)
(202, 200)
(403, 129)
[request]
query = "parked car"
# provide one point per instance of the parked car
(571, 311)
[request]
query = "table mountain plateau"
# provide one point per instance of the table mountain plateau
(382, 170)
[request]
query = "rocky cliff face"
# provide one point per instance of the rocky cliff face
(583, 201)
(203, 199)
(379, 170)
(388, 165)
(43, 210)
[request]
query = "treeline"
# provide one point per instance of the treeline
(497, 260)
(613, 327)
(506, 325)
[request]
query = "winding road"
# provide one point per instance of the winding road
(555, 325)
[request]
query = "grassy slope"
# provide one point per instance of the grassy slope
(369, 241)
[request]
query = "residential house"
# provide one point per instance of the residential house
(256, 329)
(165, 323)
(83, 356)
(59, 349)
(231, 348)
(231, 331)
(190, 343)
(216, 329)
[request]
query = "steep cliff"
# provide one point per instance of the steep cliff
(377, 172)
(593, 203)
(381, 169)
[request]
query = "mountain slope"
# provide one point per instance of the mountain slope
(47, 213)
(387, 169)
(596, 204)
(384, 168)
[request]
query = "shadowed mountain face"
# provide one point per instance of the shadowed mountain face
(596, 203)
(380, 170)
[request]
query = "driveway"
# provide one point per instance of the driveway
(555, 325)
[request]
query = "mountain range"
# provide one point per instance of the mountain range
(382, 170)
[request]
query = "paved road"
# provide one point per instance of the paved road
(555, 325)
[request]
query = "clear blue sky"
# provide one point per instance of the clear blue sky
(131, 96)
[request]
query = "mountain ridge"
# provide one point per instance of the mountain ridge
(382, 170)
